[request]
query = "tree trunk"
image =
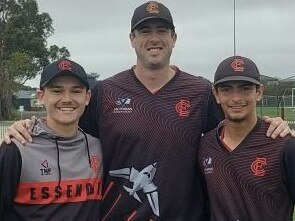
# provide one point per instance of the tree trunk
(5, 105)
(1, 116)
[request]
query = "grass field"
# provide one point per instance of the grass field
(288, 113)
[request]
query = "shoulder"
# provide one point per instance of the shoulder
(9, 152)
(192, 83)
(92, 138)
(261, 129)
(9, 148)
(194, 78)
(119, 76)
(95, 147)
(209, 137)
(93, 141)
(289, 146)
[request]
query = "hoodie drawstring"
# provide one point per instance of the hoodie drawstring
(87, 147)
(58, 161)
(58, 164)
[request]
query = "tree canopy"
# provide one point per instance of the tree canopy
(24, 51)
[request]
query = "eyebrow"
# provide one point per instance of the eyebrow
(242, 84)
(159, 25)
(60, 86)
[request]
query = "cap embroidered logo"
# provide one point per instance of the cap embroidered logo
(65, 65)
(238, 65)
(153, 8)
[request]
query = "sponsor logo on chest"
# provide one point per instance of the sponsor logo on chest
(123, 106)
(45, 170)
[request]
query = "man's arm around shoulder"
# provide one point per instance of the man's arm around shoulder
(289, 166)
(10, 168)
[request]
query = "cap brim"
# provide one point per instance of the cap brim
(149, 18)
(237, 78)
(69, 73)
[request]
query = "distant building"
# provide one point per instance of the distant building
(27, 99)
(266, 80)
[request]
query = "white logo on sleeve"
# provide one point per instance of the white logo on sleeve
(207, 163)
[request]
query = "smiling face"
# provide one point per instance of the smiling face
(153, 41)
(65, 99)
(238, 100)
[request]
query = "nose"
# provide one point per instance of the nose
(236, 95)
(154, 36)
(67, 96)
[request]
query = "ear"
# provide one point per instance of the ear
(174, 36)
(131, 37)
(40, 96)
(216, 94)
(88, 96)
(259, 92)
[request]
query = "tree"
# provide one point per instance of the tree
(23, 47)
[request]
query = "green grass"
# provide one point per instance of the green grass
(288, 113)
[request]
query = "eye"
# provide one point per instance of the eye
(55, 91)
(77, 91)
(144, 31)
(247, 88)
(224, 89)
(163, 30)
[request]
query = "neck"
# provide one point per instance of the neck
(236, 132)
(154, 79)
(66, 131)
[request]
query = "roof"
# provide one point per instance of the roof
(22, 94)
(267, 78)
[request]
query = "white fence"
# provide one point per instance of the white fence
(3, 127)
(2, 131)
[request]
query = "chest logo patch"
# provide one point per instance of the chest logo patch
(258, 166)
(123, 106)
(182, 108)
(45, 169)
(95, 163)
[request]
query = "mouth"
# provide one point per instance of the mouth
(66, 109)
(237, 107)
(155, 49)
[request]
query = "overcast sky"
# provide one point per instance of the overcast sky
(96, 32)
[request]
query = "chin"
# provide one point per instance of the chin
(65, 121)
(236, 119)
